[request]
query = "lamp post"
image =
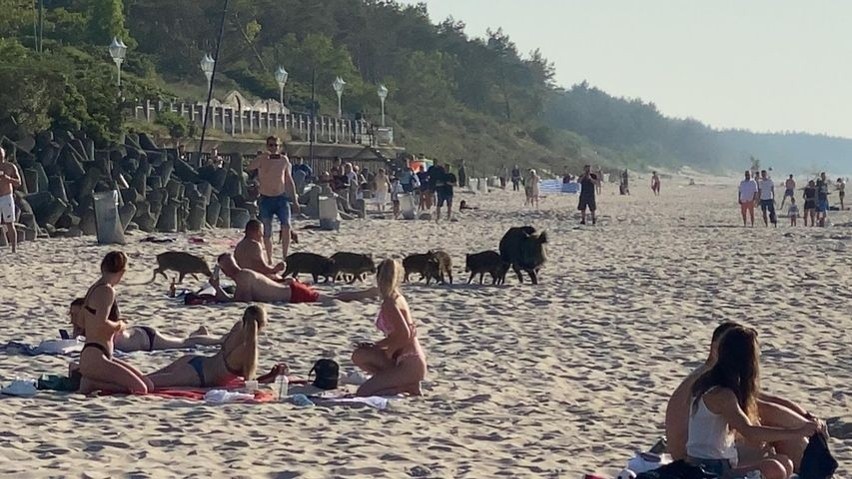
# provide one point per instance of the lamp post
(281, 77)
(383, 95)
(207, 66)
(338, 88)
(118, 50)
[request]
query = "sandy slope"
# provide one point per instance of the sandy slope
(550, 381)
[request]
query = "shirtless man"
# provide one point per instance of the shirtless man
(773, 412)
(249, 252)
(9, 180)
(789, 190)
(277, 193)
(255, 287)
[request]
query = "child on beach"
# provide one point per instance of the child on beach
(396, 189)
(793, 212)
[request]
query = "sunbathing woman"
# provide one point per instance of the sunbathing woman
(236, 359)
(397, 362)
(143, 338)
(101, 321)
(725, 402)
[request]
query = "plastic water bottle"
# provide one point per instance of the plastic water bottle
(283, 385)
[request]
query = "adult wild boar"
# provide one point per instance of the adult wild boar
(523, 248)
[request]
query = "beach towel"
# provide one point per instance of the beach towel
(677, 470)
(377, 402)
(53, 347)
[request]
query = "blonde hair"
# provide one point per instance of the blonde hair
(254, 319)
(389, 277)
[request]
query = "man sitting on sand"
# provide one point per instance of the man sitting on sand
(253, 286)
(773, 412)
(249, 253)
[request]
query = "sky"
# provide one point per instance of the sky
(762, 65)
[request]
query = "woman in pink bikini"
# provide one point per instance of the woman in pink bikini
(397, 362)
(236, 359)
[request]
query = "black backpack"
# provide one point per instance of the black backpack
(327, 373)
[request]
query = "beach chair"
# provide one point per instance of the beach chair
(328, 215)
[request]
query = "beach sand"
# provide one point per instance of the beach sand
(555, 380)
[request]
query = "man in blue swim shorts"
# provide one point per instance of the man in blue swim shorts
(277, 193)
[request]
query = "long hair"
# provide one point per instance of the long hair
(389, 277)
(737, 368)
(114, 262)
(254, 320)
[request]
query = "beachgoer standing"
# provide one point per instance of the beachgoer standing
(516, 178)
(625, 183)
(747, 197)
(789, 190)
(655, 184)
(277, 193)
(444, 189)
(810, 196)
(9, 180)
(425, 190)
(504, 176)
(841, 192)
(793, 212)
(462, 175)
(533, 188)
(588, 181)
(767, 199)
(396, 190)
(822, 198)
(382, 187)
(599, 184)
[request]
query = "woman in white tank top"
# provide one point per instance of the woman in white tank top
(725, 401)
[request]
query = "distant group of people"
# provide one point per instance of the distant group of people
(759, 189)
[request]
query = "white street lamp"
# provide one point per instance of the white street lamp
(383, 95)
(207, 66)
(281, 77)
(338, 88)
(118, 50)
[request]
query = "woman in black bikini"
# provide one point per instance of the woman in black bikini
(99, 370)
(143, 338)
(236, 359)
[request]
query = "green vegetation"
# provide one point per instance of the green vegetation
(451, 96)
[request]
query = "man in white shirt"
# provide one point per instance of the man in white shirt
(767, 199)
(747, 197)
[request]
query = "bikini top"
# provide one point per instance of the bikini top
(225, 356)
(387, 328)
(113, 312)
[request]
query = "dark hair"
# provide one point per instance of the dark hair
(737, 368)
(273, 138)
(253, 225)
(114, 262)
(722, 329)
(78, 302)
(222, 256)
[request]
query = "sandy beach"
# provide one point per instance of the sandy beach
(555, 380)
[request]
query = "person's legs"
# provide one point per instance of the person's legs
(449, 208)
(266, 207)
(743, 210)
(101, 373)
(774, 415)
(199, 337)
(403, 377)
(179, 373)
(763, 209)
(592, 208)
(283, 213)
(751, 212)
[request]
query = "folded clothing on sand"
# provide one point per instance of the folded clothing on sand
(56, 347)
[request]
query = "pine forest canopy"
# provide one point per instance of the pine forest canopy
(451, 96)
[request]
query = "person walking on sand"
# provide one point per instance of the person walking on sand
(655, 184)
(381, 185)
(10, 179)
(810, 197)
(841, 192)
(747, 197)
(588, 181)
(444, 185)
(516, 178)
(532, 187)
(793, 212)
(789, 190)
(278, 195)
(822, 198)
(599, 184)
(767, 199)
(397, 362)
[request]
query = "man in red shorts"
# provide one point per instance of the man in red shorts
(255, 287)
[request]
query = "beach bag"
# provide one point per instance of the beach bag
(817, 461)
(193, 299)
(327, 373)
